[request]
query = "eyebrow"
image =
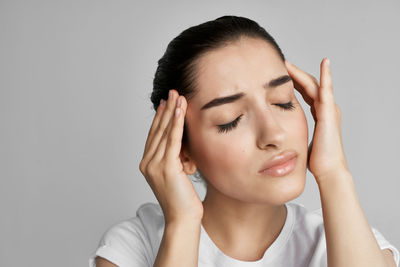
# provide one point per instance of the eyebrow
(232, 98)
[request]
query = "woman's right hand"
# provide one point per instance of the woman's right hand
(162, 166)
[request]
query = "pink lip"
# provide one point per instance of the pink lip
(280, 165)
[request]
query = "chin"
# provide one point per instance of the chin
(282, 191)
(291, 193)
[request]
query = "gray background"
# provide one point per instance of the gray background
(75, 80)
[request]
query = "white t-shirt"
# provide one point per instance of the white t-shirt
(135, 242)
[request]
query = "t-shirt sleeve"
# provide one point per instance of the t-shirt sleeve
(124, 244)
(384, 244)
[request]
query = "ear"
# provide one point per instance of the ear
(189, 167)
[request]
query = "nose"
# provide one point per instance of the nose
(270, 133)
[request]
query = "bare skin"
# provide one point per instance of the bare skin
(243, 209)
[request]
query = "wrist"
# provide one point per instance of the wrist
(188, 222)
(182, 227)
(336, 176)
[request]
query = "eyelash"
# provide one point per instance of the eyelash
(229, 126)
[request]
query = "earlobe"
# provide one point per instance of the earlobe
(189, 167)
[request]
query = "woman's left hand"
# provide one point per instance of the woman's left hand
(325, 153)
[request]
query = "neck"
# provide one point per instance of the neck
(242, 230)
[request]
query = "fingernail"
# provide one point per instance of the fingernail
(170, 94)
(179, 102)
(327, 61)
(162, 102)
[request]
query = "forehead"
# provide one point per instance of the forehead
(248, 63)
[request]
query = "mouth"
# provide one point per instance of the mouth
(280, 165)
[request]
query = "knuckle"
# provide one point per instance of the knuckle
(315, 81)
(161, 125)
(151, 169)
(164, 172)
(339, 111)
(328, 96)
(142, 166)
(164, 130)
(171, 104)
(163, 139)
(167, 170)
(166, 115)
(171, 136)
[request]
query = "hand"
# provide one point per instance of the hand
(325, 152)
(162, 167)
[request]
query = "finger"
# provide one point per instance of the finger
(326, 90)
(154, 125)
(304, 82)
(160, 151)
(162, 125)
(174, 143)
(303, 93)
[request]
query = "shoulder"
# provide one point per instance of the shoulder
(309, 227)
(308, 234)
(148, 220)
(307, 220)
(307, 242)
(135, 239)
(147, 227)
(151, 215)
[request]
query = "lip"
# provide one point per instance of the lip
(280, 164)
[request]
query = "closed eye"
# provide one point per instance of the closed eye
(230, 126)
(287, 106)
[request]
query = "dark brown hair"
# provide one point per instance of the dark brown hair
(177, 67)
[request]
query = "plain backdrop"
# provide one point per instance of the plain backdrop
(75, 81)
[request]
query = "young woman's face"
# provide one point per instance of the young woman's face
(231, 158)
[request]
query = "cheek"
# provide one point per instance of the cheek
(232, 151)
(224, 152)
(219, 155)
(299, 128)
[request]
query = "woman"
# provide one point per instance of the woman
(226, 109)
